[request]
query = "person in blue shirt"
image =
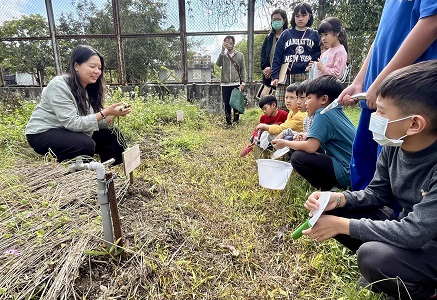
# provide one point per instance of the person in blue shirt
(407, 34)
(333, 131)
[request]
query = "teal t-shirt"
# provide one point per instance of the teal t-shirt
(336, 133)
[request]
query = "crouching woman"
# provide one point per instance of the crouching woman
(70, 119)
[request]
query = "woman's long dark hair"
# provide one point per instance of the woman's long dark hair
(96, 91)
(283, 14)
(333, 25)
(303, 8)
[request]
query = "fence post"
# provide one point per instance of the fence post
(120, 55)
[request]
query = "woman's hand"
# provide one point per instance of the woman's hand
(275, 82)
(116, 110)
(267, 72)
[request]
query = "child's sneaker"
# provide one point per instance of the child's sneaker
(246, 150)
(433, 296)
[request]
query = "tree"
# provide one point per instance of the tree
(360, 19)
(142, 54)
(257, 45)
(30, 56)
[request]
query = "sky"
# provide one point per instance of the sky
(11, 9)
(200, 18)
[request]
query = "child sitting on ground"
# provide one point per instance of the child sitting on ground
(333, 131)
(271, 115)
(294, 118)
(290, 134)
(396, 255)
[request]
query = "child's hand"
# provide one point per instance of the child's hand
(302, 136)
(310, 64)
(279, 136)
(279, 143)
(345, 97)
(275, 82)
(327, 226)
(262, 126)
(318, 65)
(312, 202)
(371, 96)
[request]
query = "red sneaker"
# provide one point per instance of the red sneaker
(246, 150)
(433, 296)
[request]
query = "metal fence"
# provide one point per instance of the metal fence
(141, 41)
(161, 41)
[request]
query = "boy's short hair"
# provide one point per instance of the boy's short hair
(292, 87)
(267, 99)
(413, 90)
(325, 85)
(302, 87)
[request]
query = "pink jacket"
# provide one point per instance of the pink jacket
(334, 61)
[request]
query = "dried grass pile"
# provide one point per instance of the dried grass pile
(49, 219)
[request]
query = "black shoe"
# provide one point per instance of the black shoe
(362, 283)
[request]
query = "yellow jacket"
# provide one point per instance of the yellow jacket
(294, 121)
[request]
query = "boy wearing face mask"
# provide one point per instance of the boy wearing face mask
(233, 75)
(396, 254)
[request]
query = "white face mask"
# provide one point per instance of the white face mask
(378, 126)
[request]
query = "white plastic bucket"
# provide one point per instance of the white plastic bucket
(273, 174)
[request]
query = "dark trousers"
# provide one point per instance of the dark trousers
(393, 269)
(226, 94)
(317, 168)
(66, 144)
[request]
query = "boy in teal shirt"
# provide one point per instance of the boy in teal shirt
(333, 131)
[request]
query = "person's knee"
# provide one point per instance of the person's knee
(297, 159)
(83, 146)
(89, 147)
(374, 259)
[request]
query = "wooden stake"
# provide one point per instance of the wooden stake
(116, 224)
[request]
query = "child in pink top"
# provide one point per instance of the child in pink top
(332, 61)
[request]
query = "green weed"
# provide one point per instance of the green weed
(197, 223)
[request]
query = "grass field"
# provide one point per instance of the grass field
(196, 224)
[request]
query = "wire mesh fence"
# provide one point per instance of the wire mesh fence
(151, 40)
